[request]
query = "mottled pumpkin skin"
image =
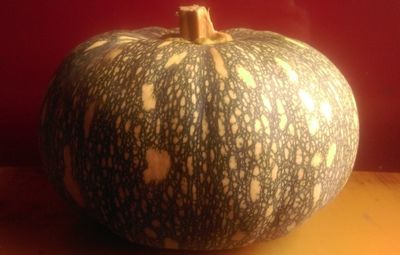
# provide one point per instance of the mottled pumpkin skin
(185, 146)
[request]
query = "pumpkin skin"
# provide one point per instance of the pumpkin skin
(178, 145)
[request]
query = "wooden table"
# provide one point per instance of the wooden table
(363, 219)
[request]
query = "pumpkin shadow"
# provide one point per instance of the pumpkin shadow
(35, 220)
(88, 236)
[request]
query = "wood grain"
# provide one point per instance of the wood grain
(363, 219)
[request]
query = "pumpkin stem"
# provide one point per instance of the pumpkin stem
(196, 26)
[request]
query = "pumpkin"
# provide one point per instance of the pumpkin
(197, 139)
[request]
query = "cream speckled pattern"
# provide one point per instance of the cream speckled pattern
(178, 145)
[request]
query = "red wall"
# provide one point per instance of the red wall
(361, 37)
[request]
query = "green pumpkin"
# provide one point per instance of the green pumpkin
(203, 141)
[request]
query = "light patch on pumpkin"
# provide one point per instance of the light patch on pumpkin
(136, 132)
(204, 166)
(182, 113)
(307, 100)
(118, 122)
(291, 226)
(221, 127)
(257, 125)
(278, 193)
(238, 236)
(194, 99)
(204, 128)
(282, 121)
(192, 128)
(223, 151)
(225, 184)
(299, 157)
(255, 189)
(158, 166)
(232, 94)
(257, 149)
(96, 44)
(159, 56)
(221, 86)
(148, 98)
(316, 192)
(232, 119)
(246, 118)
(71, 185)
(326, 110)
(331, 155)
(234, 128)
(256, 171)
(264, 120)
(165, 43)
(239, 142)
(291, 129)
(238, 112)
(195, 116)
(245, 76)
(298, 43)
(316, 160)
(150, 233)
(227, 100)
(232, 163)
(313, 125)
(274, 172)
(104, 97)
(280, 107)
(158, 126)
(286, 153)
(238, 47)
(269, 211)
(274, 148)
(113, 54)
(219, 63)
(88, 119)
(266, 102)
(170, 243)
(300, 174)
(176, 59)
(189, 165)
(183, 101)
(127, 126)
(125, 39)
(287, 69)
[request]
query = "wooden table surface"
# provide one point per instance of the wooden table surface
(363, 219)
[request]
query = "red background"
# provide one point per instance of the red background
(361, 37)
